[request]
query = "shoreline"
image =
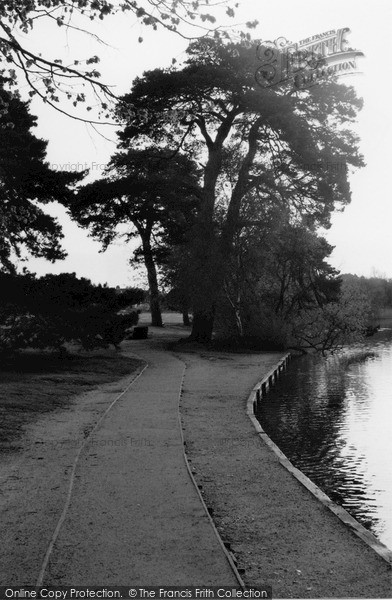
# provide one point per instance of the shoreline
(256, 396)
(279, 533)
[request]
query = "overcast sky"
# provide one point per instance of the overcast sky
(361, 234)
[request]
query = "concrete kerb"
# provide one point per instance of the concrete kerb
(255, 397)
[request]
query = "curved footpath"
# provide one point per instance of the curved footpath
(134, 516)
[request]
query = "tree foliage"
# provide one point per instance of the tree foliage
(333, 325)
(26, 181)
(280, 291)
(49, 77)
(377, 289)
(132, 296)
(277, 271)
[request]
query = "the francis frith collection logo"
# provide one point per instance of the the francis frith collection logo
(305, 63)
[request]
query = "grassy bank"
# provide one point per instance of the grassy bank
(32, 383)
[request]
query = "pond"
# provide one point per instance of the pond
(332, 417)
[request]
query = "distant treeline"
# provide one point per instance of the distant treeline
(377, 289)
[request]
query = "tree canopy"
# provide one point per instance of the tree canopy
(292, 147)
(150, 193)
(26, 181)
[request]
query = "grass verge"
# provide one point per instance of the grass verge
(32, 383)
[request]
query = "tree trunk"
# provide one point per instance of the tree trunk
(208, 272)
(185, 316)
(156, 315)
(202, 327)
(207, 283)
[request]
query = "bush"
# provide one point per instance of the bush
(132, 296)
(27, 331)
(117, 327)
(55, 309)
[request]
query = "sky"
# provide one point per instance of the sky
(361, 234)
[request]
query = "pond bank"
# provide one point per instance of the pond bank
(332, 418)
(279, 533)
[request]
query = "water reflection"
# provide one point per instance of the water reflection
(333, 418)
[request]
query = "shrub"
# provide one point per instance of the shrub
(55, 309)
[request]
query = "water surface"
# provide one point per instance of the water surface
(333, 419)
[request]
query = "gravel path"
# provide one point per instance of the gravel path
(134, 516)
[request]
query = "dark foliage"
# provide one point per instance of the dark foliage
(55, 309)
(25, 179)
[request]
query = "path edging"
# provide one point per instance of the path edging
(228, 555)
(255, 397)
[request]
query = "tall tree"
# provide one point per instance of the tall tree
(147, 192)
(284, 141)
(26, 180)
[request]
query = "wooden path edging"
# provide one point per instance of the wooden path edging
(259, 391)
